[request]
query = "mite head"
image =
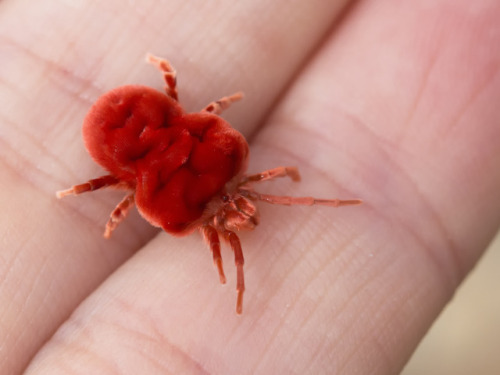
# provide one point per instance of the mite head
(236, 212)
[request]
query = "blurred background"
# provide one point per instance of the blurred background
(466, 337)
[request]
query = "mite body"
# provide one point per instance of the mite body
(183, 171)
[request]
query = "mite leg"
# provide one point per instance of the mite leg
(91, 185)
(291, 172)
(303, 201)
(220, 105)
(212, 238)
(169, 74)
(239, 261)
(119, 214)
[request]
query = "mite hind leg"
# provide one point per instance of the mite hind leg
(91, 185)
(169, 74)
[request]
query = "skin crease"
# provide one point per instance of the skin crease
(393, 102)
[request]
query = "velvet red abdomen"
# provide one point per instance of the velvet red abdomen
(176, 161)
(123, 126)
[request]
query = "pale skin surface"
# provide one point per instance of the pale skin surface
(395, 103)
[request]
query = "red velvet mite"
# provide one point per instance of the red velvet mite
(183, 171)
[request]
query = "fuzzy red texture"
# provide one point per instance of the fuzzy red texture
(175, 161)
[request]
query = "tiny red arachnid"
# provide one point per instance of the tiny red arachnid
(183, 171)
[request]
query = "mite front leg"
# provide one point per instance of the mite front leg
(222, 104)
(91, 185)
(239, 261)
(212, 238)
(291, 172)
(302, 201)
(169, 74)
(119, 214)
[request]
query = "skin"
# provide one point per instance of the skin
(392, 102)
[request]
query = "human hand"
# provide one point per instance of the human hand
(395, 104)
